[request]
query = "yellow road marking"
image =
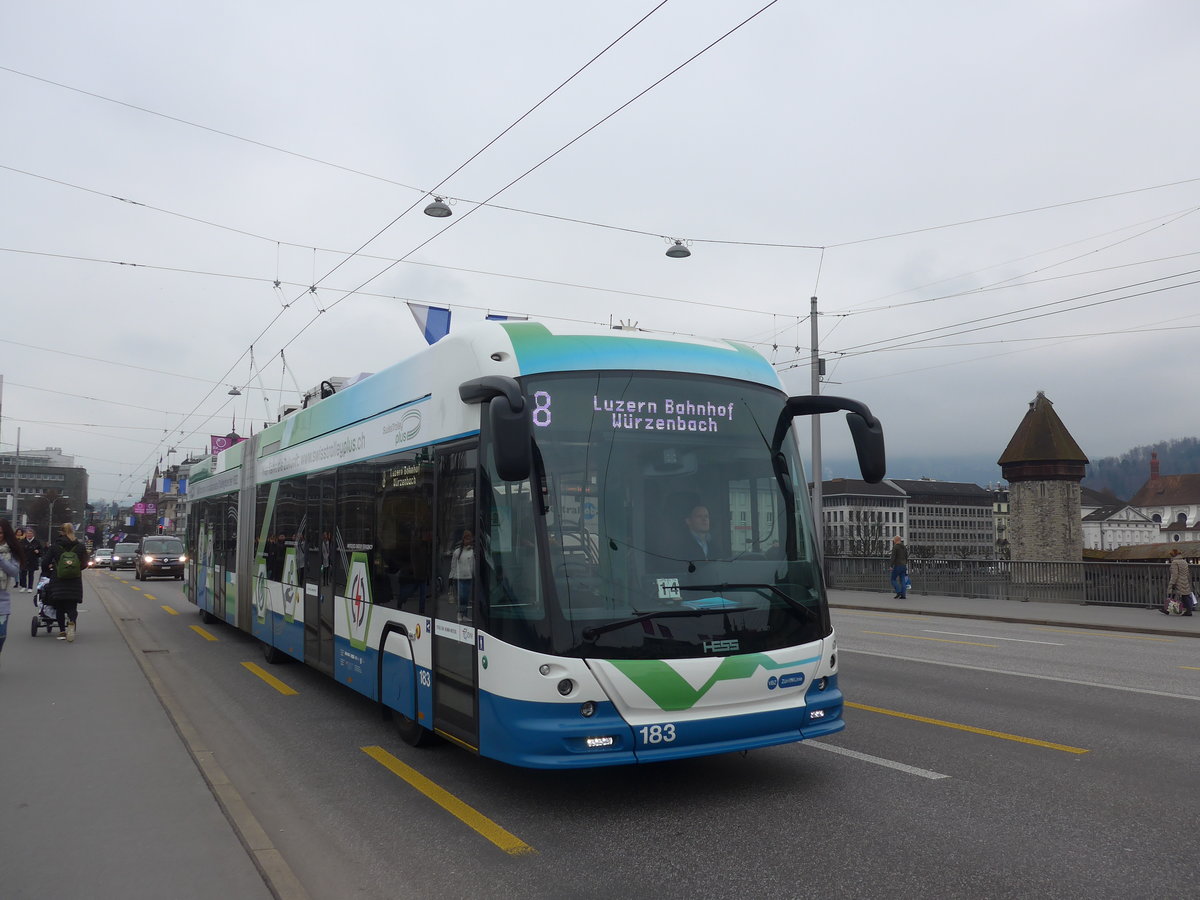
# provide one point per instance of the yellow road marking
(171, 611)
(1196, 668)
(919, 638)
(971, 728)
(151, 597)
(506, 841)
(204, 634)
(270, 679)
(1111, 634)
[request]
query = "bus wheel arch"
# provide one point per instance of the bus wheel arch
(411, 731)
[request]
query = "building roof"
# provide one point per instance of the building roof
(957, 490)
(1041, 437)
(841, 486)
(1180, 490)
(1091, 497)
(1188, 549)
(1106, 512)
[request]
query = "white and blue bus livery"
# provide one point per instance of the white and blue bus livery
(581, 622)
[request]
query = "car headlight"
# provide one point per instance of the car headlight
(147, 558)
(183, 558)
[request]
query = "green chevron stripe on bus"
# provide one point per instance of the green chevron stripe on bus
(671, 692)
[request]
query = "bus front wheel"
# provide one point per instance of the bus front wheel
(412, 732)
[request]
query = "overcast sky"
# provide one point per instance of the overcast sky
(1006, 194)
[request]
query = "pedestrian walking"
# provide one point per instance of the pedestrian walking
(462, 571)
(11, 562)
(63, 564)
(1179, 584)
(33, 552)
(899, 568)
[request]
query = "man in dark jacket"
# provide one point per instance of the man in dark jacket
(33, 550)
(66, 586)
(899, 568)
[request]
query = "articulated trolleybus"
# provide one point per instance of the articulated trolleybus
(556, 547)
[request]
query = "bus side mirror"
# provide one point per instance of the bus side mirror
(864, 428)
(508, 421)
(868, 446)
(510, 439)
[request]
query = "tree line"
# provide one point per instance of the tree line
(1124, 475)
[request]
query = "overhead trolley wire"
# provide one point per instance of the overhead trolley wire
(312, 288)
(539, 164)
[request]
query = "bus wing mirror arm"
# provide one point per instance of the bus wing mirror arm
(508, 419)
(864, 427)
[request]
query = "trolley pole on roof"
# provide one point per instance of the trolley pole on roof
(818, 517)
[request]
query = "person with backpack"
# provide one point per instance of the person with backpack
(12, 557)
(63, 564)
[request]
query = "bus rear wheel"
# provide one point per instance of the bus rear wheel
(273, 655)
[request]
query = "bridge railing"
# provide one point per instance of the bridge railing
(1137, 584)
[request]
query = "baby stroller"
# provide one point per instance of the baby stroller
(47, 615)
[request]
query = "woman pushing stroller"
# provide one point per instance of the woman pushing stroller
(63, 564)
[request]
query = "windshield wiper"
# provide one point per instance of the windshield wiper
(774, 589)
(594, 631)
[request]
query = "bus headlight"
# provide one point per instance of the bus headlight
(566, 686)
(587, 709)
(594, 743)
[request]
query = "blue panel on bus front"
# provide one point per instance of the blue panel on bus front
(538, 350)
(556, 736)
(551, 735)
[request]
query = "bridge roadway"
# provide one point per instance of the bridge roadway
(108, 790)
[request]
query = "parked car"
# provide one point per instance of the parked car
(101, 558)
(159, 556)
(124, 555)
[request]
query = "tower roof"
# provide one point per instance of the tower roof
(1041, 437)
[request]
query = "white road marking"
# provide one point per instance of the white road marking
(1095, 684)
(876, 760)
(992, 637)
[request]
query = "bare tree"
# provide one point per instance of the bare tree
(865, 534)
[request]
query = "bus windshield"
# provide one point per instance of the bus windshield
(656, 523)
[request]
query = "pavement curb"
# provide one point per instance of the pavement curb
(1021, 620)
(278, 876)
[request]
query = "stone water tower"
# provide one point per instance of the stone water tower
(1044, 466)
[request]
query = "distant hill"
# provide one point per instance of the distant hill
(1125, 474)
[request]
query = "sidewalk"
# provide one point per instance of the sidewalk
(1066, 615)
(100, 796)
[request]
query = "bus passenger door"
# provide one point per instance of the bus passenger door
(318, 572)
(455, 713)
